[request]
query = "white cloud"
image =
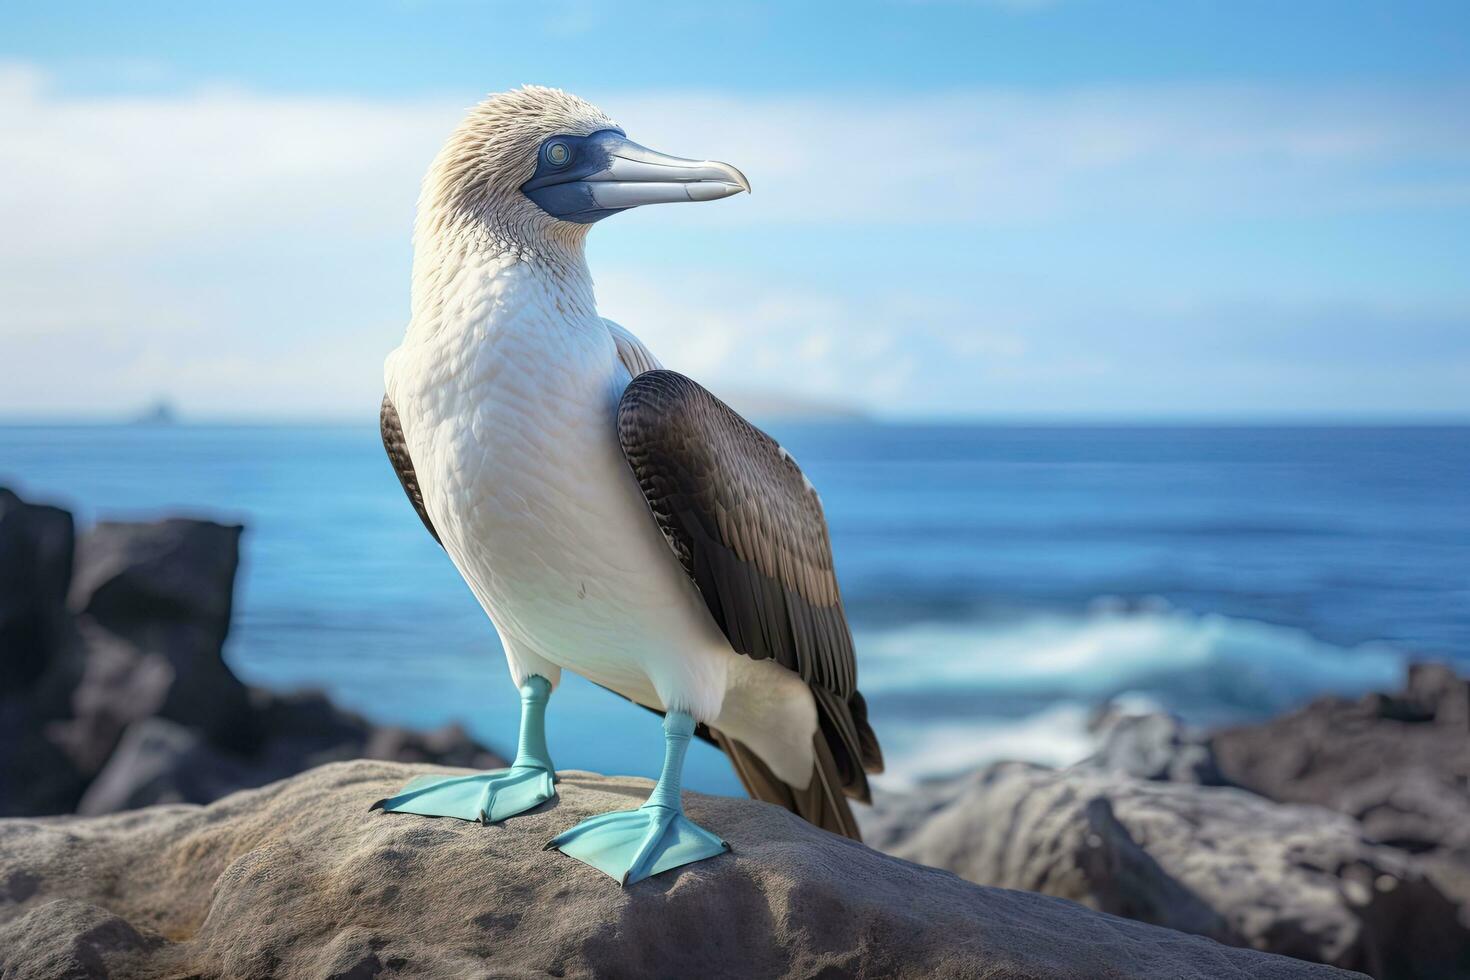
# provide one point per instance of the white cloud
(247, 252)
(740, 337)
(1010, 157)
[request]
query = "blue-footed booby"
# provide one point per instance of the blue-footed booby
(612, 517)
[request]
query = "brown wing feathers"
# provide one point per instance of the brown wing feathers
(749, 530)
(397, 448)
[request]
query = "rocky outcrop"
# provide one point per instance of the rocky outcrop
(1219, 862)
(1153, 746)
(299, 879)
(1397, 763)
(36, 546)
(39, 666)
(116, 692)
(153, 602)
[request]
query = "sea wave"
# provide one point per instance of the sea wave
(953, 695)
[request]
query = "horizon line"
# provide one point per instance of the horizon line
(998, 419)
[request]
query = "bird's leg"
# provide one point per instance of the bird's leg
(492, 796)
(631, 845)
(531, 750)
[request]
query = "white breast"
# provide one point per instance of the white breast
(509, 413)
(511, 427)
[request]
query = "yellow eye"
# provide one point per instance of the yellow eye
(558, 154)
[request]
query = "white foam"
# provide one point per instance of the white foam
(1108, 651)
(1204, 667)
(1055, 736)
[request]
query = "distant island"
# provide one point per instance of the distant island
(161, 412)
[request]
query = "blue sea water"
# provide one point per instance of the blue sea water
(1001, 580)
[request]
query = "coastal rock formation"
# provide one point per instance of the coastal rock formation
(1397, 763)
(36, 547)
(116, 692)
(1219, 862)
(1154, 746)
(37, 668)
(300, 879)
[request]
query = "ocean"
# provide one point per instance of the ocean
(1002, 581)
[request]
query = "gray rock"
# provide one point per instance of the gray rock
(126, 700)
(299, 879)
(36, 545)
(1218, 862)
(896, 817)
(40, 662)
(1154, 746)
(1398, 763)
(160, 761)
(157, 596)
(72, 940)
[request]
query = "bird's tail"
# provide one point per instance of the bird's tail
(822, 803)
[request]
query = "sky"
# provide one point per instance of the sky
(996, 209)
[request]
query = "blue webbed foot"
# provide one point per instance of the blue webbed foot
(488, 797)
(631, 845)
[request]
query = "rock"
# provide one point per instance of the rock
(36, 544)
(299, 879)
(1154, 746)
(39, 659)
(895, 817)
(1398, 763)
(72, 940)
(160, 761)
(449, 745)
(149, 612)
(1219, 862)
(158, 598)
(126, 699)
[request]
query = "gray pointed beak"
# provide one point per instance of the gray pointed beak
(637, 175)
(606, 172)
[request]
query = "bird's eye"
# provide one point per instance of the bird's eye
(558, 154)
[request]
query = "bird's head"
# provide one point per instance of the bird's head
(539, 165)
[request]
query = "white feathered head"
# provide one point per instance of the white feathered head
(537, 165)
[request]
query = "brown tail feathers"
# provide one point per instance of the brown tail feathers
(823, 802)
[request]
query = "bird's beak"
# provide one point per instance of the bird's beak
(607, 173)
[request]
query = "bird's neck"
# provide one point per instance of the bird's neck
(467, 277)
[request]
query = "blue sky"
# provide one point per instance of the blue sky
(1013, 208)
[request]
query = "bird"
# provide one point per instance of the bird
(612, 517)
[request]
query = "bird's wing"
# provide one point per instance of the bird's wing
(634, 354)
(397, 449)
(748, 528)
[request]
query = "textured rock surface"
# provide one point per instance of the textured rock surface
(114, 690)
(299, 879)
(1154, 746)
(1219, 862)
(1398, 763)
